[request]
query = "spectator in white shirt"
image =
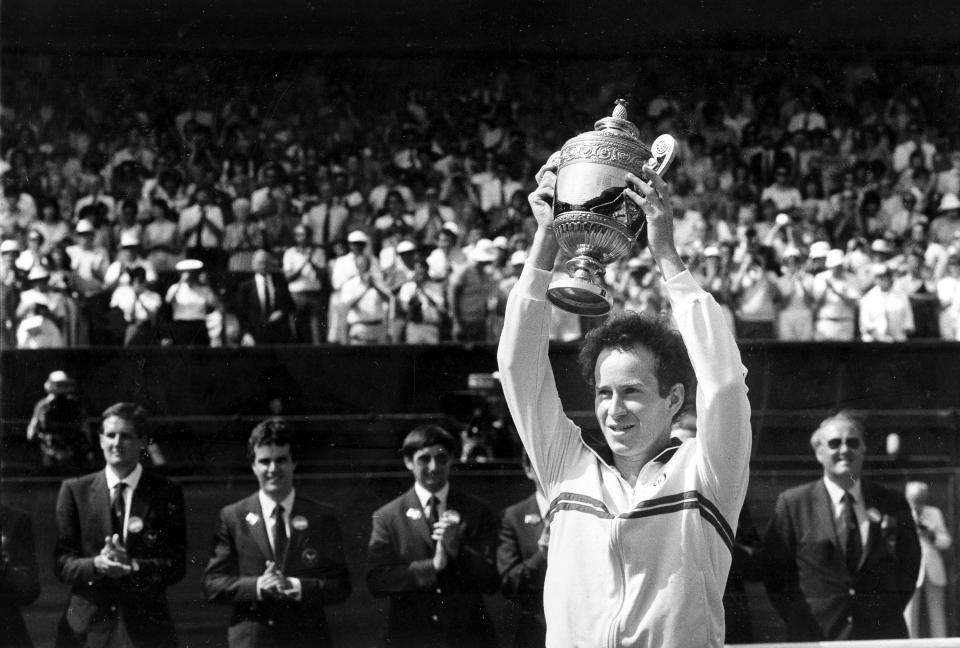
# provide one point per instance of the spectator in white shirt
(305, 269)
(201, 227)
(140, 307)
(885, 314)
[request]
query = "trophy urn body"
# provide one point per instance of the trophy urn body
(595, 222)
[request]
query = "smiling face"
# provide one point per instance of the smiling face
(840, 449)
(634, 417)
(430, 467)
(120, 444)
(273, 466)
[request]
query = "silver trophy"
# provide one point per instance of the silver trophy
(594, 220)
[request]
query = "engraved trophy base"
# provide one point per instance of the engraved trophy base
(579, 296)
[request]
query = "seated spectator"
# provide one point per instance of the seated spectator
(59, 427)
(367, 302)
(835, 300)
(945, 228)
(242, 238)
(33, 255)
(62, 282)
(40, 313)
(447, 257)
(140, 308)
(305, 269)
(264, 305)
(470, 293)
(885, 314)
(190, 301)
(128, 258)
(127, 221)
(421, 307)
(278, 219)
(394, 217)
(948, 294)
(754, 285)
(431, 217)
(54, 229)
(201, 228)
(161, 237)
(795, 313)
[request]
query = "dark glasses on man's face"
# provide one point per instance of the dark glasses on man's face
(853, 443)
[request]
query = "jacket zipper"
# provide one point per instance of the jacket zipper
(613, 630)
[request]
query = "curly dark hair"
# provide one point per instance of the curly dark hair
(629, 330)
(272, 431)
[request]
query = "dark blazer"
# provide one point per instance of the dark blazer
(807, 577)
(83, 521)
(239, 555)
(522, 569)
(252, 318)
(430, 609)
(19, 576)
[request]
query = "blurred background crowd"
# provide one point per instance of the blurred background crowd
(237, 201)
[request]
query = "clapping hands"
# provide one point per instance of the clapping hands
(113, 561)
(446, 533)
(272, 584)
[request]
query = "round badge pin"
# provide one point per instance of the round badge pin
(299, 523)
(135, 525)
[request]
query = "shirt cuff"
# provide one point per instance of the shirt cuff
(296, 589)
(533, 283)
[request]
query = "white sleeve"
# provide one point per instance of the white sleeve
(723, 411)
(527, 377)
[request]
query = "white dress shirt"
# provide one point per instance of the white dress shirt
(267, 505)
(836, 494)
(132, 481)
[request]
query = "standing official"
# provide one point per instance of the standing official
(19, 576)
(522, 561)
(431, 552)
(842, 552)
(121, 542)
(277, 556)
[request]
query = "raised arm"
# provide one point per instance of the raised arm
(525, 372)
(723, 411)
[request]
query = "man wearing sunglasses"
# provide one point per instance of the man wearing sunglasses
(842, 552)
(432, 552)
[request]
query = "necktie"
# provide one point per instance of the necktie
(200, 226)
(433, 515)
(279, 537)
(117, 510)
(853, 547)
(268, 294)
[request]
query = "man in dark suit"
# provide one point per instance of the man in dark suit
(121, 542)
(842, 553)
(264, 304)
(431, 552)
(522, 561)
(19, 576)
(277, 556)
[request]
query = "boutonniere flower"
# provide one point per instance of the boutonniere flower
(874, 516)
(252, 519)
(531, 518)
(414, 513)
(888, 522)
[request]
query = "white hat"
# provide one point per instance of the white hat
(783, 219)
(189, 265)
(129, 239)
(880, 269)
(501, 242)
(8, 246)
(84, 226)
(791, 251)
(711, 251)
(882, 246)
(483, 252)
(406, 246)
(835, 258)
(819, 249)
(453, 228)
(58, 382)
(38, 272)
(518, 258)
(357, 236)
(948, 202)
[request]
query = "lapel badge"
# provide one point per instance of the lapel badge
(150, 537)
(134, 524)
(414, 513)
(252, 519)
(874, 516)
(532, 518)
(309, 557)
(299, 523)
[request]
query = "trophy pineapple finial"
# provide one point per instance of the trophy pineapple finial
(620, 110)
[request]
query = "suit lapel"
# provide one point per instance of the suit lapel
(297, 536)
(139, 507)
(100, 509)
(873, 534)
(823, 511)
(257, 524)
(417, 521)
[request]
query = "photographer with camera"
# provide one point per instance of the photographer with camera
(59, 426)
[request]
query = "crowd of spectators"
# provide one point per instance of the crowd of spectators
(231, 201)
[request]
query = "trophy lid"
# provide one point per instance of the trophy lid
(617, 123)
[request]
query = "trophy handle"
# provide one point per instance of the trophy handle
(664, 149)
